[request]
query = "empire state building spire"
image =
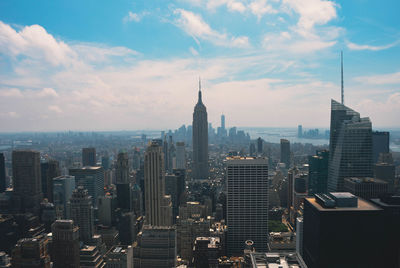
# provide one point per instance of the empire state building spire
(200, 139)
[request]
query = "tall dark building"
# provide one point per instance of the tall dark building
(200, 140)
(342, 230)
(82, 213)
(27, 180)
(259, 145)
(285, 152)
(49, 171)
(65, 244)
(3, 185)
(350, 147)
(318, 172)
(88, 157)
(31, 252)
(91, 178)
(299, 131)
(380, 144)
(223, 122)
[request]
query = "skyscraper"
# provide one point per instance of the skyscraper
(49, 170)
(154, 179)
(180, 155)
(259, 145)
(350, 146)
(122, 169)
(65, 244)
(63, 187)
(380, 144)
(31, 252)
(91, 178)
(88, 157)
(3, 185)
(200, 140)
(82, 213)
(318, 172)
(223, 122)
(27, 179)
(285, 152)
(247, 203)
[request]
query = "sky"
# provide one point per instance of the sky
(128, 65)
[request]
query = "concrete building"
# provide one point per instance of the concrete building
(89, 157)
(380, 144)
(350, 146)
(63, 188)
(91, 178)
(27, 181)
(155, 247)
(273, 260)
(119, 257)
(247, 203)
(285, 152)
(49, 171)
(299, 235)
(106, 208)
(342, 230)
(3, 184)
(122, 169)
(180, 156)
(65, 244)
(200, 140)
(81, 211)
(386, 170)
(318, 172)
(90, 257)
(31, 252)
(206, 251)
(366, 188)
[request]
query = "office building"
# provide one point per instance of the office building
(380, 144)
(299, 235)
(63, 186)
(106, 208)
(90, 257)
(366, 188)
(206, 251)
(247, 203)
(285, 152)
(350, 147)
(180, 156)
(335, 229)
(3, 184)
(126, 221)
(386, 170)
(318, 172)
(122, 168)
(91, 178)
(65, 244)
(27, 180)
(119, 257)
(200, 140)
(158, 211)
(81, 211)
(260, 146)
(273, 259)
(49, 171)
(31, 252)
(89, 157)
(292, 173)
(299, 131)
(155, 247)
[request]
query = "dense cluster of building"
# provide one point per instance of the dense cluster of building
(214, 199)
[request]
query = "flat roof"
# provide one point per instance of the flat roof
(363, 205)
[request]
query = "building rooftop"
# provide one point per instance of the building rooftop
(362, 205)
(365, 180)
(276, 260)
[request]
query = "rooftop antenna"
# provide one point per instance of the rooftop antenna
(341, 61)
(199, 83)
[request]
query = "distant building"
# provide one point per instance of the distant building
(27, 180)
(65, 244)
(200, 140)
(285, 152)
(380, 144)
(336, 227)
(350, 146)
(366, 188)
(3, 184)
(126, 226)
(206, 251)
(180, 155)
(90, 256)
(119, 257)
(155, 247)
(299, 235)
(91, 178)
(300, 131)
(106, 208)
(386, 170)
(260, 146)
(82, 213)
(318, 172)
(49, 171)
(89, 157)
(122, 168)
(31, 252)
(247, 203)
(63, 187)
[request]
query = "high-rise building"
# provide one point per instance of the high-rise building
(380, 144)
(119, 257)
(3, 185)
(300, 131)
(27, 180)
(350, 146)
(259, 145)
(157, 210)
(206, 251)
(386, 170)
(31, 252)
(49, 170)
(82, 213)
(91, 178)
(90, 256)
(155, 247)
(366, 188)
(318, 172)
(122, 168)
(292, 173)
(299, 235)
(200, 140)
(247, 203)
(180, 156)
(88, 157)
(285, 152)
(65, 244)
(126, 226)
(335, 229)
(63, 187)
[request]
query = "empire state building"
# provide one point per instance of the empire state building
(200, 140)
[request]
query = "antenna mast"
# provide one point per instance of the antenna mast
(341, 61)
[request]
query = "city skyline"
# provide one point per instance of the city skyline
(274, 63)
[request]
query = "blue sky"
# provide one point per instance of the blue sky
(111, 65)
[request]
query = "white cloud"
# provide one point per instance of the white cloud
(47, 92)
(55, 108)
(381, 79)
(354, 46)
(194, 25)
(193, 51)
(260, 8)
(11, 92)
(136, 17)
